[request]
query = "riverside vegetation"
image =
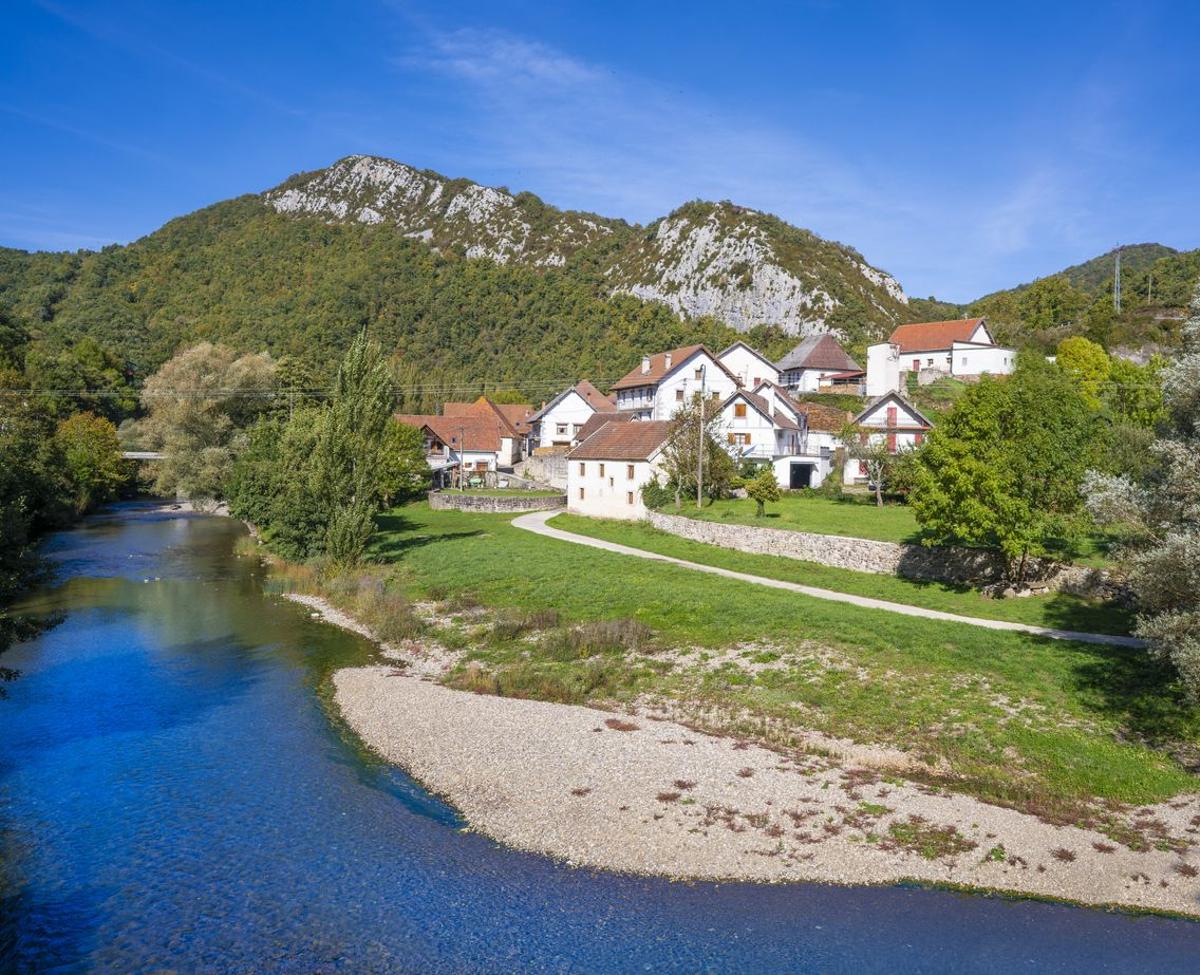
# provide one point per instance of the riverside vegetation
(1072, 732)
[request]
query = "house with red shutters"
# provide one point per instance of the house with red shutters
(892, 420)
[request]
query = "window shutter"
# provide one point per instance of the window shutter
(732, 438)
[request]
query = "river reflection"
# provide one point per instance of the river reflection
(174, 798)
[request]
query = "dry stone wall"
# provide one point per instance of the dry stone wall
(494, 504)
(937, 564)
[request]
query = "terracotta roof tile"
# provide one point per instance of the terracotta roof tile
(597, 420)
(623, 441)
(928, 336)
(658, 367)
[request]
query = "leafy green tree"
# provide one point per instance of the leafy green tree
(92, 455)
(1134, 394)
(83, 377)
(1050, 302)
(1088, 364)
(1003, 469)
(403, 470)
(1160, 518)
(763, 488)
(691, 440)
(870, 449)
(200, 405)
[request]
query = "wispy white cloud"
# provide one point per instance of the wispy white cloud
(585, 135)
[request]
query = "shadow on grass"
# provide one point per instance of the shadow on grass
(1145, 697)
(397, 534)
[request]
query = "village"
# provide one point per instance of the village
(601, 449)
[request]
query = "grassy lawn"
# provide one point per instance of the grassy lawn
(1035, 723)
(853, 516)
(1057, 610)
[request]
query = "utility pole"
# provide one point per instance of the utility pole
(700, 447)
(462, 460)
(1117, 283)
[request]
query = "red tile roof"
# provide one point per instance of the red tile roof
(930, 336)
(597, 420)
(479, 433)
(595, 399)
(659, 369)
(623, 441)
(515, 416)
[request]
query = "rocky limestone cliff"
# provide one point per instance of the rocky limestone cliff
(741, 266)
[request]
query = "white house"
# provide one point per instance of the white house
(559, 422)
(889, 419)
(749, 366)
(665, 380)
(755, 428)
(819, 427)
(477, 444)
(606, 472)
(818, 360)
(963, 348)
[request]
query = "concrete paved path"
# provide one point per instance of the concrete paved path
(536, 522)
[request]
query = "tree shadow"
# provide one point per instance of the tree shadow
(1144, 696)
(398, 534)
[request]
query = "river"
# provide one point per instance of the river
(174, 797)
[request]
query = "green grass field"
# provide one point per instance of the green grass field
(853, 516)
(1058, 610)
(1039, 724)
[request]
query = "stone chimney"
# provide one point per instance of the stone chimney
(667, 360)
(645, 364)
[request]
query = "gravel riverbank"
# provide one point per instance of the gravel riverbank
(647, 795)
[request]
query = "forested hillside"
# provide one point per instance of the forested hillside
(1156, 285)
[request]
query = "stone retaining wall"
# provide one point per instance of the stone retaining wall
(937, 564)
(494, 504)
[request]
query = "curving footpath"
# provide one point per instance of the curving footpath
(536, 523)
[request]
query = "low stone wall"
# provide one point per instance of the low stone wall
(494, 504)
(937, 564)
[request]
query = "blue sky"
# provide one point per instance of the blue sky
(962, 147)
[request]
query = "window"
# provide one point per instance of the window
(757, 380)
(916, 365)
(629, 471)
(601, 470)
(581, 494)
(679, 395)
(582, 471)
(699, 374)
(891, 416)
(741, 439)
(560, 429)
(610, 482)
(715, 395)
(964, 360)
(929, 361)
(862, 472)
(629, 497)
(739, 409)
(826, 453)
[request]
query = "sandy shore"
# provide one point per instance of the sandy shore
(645, 795)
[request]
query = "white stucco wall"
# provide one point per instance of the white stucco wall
(977, 360)
(661, 402)
(606, 486)
(573, 412)
(748, 367)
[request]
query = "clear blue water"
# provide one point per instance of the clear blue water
(173, 798)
